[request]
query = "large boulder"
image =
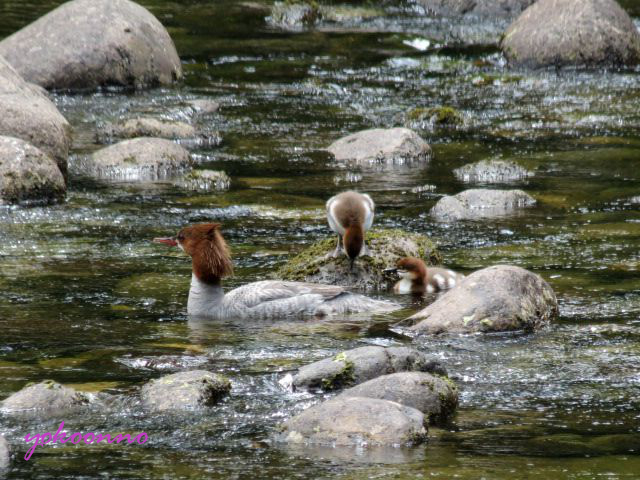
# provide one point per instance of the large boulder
(27, 113)
(481, 8)
(190, 390)
(495, 299)
(478, 203)
(27, 174)
(390, 146)
(386, 247)
(45, 397)
(5, 454)
(358, 365)
(583, 33)
(139, 159)
(89, 43)
(355, 421)
(435, 396)
(492, 171)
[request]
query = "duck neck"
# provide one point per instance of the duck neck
(204, 296)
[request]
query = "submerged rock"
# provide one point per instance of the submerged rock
(583, 33)
(394, 146)
(140, 159)
(205, 181)
(386, 247)
(435, 396)
(478, 203)
(27, 113)
(483, 8)
(184, 391)
(202, 106)
(491, 171)
(294, 14)
(28, 175)
(495, 299)
(46, 397)
(5, 454)
(358, 365)
(89, 43)
(356, 421)
(149, 127)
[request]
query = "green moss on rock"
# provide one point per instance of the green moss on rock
(437, 116)
(386, 246)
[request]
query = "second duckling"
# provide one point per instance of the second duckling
(417, 278)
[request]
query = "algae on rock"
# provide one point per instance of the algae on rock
(386, 246)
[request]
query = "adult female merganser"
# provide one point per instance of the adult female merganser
(417, 278)
(350, 215)
(211, 261)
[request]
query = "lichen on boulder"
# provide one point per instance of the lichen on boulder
(385, 248)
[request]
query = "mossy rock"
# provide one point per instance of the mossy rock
(385, 247)
(443, 116)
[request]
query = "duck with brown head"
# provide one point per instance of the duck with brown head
(350, 215)
(416, 278)
(211, 262)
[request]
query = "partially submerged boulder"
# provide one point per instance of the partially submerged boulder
(492, 171)
(190, 390)
(481, 8)
(149, 127)
(45, 397)
(205, 181)
(358, 365)
(28, 175)
(495, 299)
(385, 248)
(90, 43)
(5, 454)
(27, 113)
(475, 204)
(355, 421)
(430, 118)
(139, 159)
(390, 146)
(203, 106)
(294, 14)
(581, 33)
(433, 395)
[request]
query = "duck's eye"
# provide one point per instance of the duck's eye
(180, 237)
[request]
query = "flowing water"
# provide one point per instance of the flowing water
(88, 301)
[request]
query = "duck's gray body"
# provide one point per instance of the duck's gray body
(277, 299)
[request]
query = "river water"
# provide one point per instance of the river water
(88, 301)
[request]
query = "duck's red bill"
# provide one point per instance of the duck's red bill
(167, 241)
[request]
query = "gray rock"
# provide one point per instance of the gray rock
(386, 247)
(583, 33)
(149, 127)
(26, 113)
(492, 171)
(28, 175)
(202, 106)
(435, 396)
(355, 421)
(394, 146)
(89, 43)
(358, 365)
(204, 181)
(140, 159)
(481, 8)
(477, 204)
(45, 397)
(5, 454)
(294, 14)
(495, 299)
(190, 390)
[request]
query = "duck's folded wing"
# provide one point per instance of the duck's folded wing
(257, 293)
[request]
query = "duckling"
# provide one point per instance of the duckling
(417, 278)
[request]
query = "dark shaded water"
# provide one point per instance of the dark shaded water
(87, 300)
